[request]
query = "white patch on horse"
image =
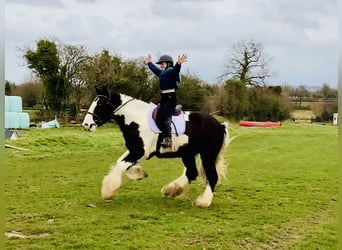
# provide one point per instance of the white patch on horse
(205, 199)
(176, 187)
(112, 182)
(150, 141)
(177, 142)
(150, 138)
(139, 106)
(88, 122)
(186, 116)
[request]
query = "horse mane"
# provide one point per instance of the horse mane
(126, 98)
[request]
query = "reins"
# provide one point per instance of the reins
(122, 105)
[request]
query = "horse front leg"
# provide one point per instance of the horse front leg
(178, 186)
(112, 182)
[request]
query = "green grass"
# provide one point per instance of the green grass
(280, 193)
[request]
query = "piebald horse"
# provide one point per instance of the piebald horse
(203, 135)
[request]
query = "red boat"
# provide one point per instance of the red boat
(259, 124)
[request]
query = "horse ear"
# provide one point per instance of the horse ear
(105, 91)
(97, 90)
(101, 91)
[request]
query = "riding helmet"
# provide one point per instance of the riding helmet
(165, 58)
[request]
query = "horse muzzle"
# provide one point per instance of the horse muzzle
(89, 127)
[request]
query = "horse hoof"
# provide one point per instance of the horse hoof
(200, 204)
(166, 150)
(107, 201)
(172, 191)
(108, 196)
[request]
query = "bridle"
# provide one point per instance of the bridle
(108, 102)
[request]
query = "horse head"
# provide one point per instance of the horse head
(101, 109)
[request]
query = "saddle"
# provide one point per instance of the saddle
(177, 120)
(178, 111)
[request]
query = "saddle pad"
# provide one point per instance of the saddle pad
(177, 121)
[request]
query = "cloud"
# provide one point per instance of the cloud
(38, 3)
(300, 36)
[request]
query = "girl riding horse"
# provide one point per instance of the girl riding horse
(168, 77)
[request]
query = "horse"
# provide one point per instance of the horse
(203, 135)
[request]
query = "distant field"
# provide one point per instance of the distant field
(303, 115)
(280, 193)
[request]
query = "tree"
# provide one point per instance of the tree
(236, 102)
(247, 68)
(46, 64)
(59, 67)
(30, 92)
(328, 92)
(248, 63)
(215, 98)
(9, 87)
(267, 104)
(191, 93)
(134, 80)
(130, 77)
(102, 70)
(299, 93)
(73, 60)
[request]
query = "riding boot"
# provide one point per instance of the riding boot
(167, 139)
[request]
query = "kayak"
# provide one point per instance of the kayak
(259, 124)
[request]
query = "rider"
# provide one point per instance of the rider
(168, 77)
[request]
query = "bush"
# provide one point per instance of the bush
(324, 111)
(267, 105)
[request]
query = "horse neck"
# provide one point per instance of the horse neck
(134, 110)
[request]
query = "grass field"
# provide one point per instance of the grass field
(280, 193)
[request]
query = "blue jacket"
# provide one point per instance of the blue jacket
(168, 78)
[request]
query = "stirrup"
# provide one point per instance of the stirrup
(166, 142)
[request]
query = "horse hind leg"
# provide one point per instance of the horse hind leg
(178, 186)
(205, 199)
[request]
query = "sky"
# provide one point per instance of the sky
(301, 37)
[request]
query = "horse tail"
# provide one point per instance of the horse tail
(220, 164)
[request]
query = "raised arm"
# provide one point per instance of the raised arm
(182, 58)
(151, 66)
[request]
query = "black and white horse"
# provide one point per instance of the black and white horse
(203, 135)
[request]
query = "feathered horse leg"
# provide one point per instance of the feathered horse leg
(112, 182)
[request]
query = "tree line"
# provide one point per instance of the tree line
(66, 76)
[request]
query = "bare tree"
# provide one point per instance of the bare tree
(248, 63)
(73, 59)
